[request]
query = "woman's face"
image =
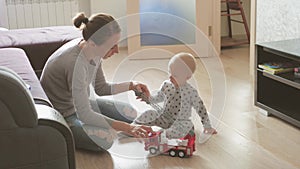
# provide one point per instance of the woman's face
(113, 41)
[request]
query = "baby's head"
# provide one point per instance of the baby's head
(181, 68)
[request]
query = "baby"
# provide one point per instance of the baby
(178, 98)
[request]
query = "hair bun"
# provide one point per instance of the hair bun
(85, 20)
(80, 19)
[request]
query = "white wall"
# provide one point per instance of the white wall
(273, 20)
(84, 6)
(277, 20)
(237, 28)
(116, 8)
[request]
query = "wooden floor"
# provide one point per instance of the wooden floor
(246, 139)
(234, 41)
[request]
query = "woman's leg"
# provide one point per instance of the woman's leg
(115, 109)
(89, 137)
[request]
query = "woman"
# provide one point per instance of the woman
(75, 66)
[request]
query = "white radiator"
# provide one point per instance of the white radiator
(40, 13)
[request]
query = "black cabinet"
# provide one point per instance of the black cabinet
(278, 94)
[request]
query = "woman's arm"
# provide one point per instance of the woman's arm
(102, 87)
(80, 93)
(88, 116)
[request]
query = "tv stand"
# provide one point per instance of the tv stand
(278, 94)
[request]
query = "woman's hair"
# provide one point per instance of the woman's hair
(98, 28)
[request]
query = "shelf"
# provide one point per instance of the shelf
(286, 47)
(278, 94)
(286, 78)
(277, 98)
(282, 54)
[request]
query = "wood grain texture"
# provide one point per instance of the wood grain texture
(246, 139)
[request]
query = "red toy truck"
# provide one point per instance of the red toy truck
(157, 143)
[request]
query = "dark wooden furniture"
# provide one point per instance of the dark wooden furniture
(38, 43)
(234, 8)
(278, 94)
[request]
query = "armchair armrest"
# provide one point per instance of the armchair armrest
(48, 116)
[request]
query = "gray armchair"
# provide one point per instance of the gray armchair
(32, 136)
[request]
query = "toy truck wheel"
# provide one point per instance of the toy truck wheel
(153, 150)
(181, 154)
(172, 153)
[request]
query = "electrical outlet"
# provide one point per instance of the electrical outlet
(209, 30)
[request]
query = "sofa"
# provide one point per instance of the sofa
(38, 43)
(37, 136)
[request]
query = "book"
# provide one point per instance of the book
(277, 67)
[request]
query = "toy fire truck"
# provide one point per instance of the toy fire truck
(157, 143)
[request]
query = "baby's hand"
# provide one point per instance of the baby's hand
(210, 131)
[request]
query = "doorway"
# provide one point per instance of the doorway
(234, 32)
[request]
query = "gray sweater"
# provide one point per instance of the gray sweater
(66, 79)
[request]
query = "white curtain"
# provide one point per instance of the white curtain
(3, 14)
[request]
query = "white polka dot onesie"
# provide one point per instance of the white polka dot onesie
(175, 115)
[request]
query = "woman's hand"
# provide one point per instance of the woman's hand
(139, 131)
(140, 88)
(136, 86)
